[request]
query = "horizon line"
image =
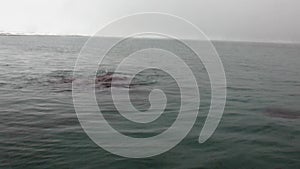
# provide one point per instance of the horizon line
(213, 40)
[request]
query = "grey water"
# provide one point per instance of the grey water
(260, 127)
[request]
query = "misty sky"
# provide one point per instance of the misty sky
(256, 20)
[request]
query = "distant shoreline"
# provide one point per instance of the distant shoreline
(16, 34)
(212, 40)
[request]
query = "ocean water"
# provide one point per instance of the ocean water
(260, 127)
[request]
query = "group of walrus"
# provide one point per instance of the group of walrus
(105, 80)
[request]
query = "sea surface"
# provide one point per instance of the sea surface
(260, 127)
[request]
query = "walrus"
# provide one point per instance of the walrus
(107, 79)
(282, 113)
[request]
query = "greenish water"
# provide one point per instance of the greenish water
(39, 129)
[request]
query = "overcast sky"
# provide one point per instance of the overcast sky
(258, 20)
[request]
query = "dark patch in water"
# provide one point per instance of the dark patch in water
(282, 113)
